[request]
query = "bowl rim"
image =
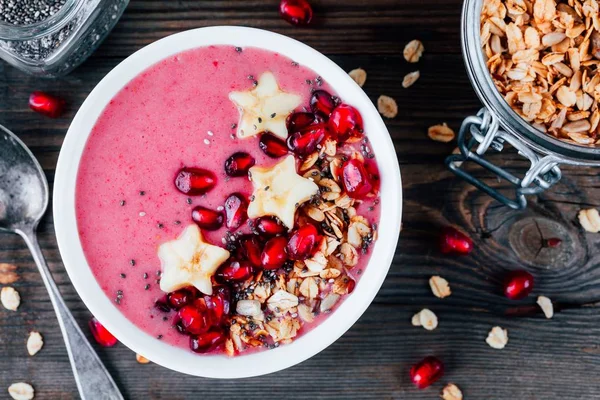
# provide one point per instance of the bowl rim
(182, 360)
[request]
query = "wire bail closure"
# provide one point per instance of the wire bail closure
(485, 132)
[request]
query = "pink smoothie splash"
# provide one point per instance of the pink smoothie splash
(176, 113)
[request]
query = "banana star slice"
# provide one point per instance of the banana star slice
(189, 261)
(264, 108)
(279, 191)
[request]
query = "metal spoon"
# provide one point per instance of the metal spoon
(23, 201)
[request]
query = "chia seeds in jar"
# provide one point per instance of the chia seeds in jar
(52, 37)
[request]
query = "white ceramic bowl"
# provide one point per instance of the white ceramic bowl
(180, 359)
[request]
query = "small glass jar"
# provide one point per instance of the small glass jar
(497, 124)
(56, 45)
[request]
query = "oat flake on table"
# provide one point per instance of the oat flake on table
(441, 133)
(497, 338)
(10, 298)
(35, 342)
(387, 106)
(546, 306)
(439, 287)
(21, 391)
(410, 79)
(589, 220)
(359, 75)
(8, 274)
(425, 318)
(413, 51)
(451, 392)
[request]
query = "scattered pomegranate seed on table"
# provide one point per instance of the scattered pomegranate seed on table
(296, 12)
(518, 284)
(453, 241)
(103, 337)
(552, 242)
(426, 372)
(46, 104)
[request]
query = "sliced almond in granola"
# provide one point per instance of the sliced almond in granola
(330, 273)
(317, 263)
(309, 288)
(441, 133)
(330, 189)
(329, 147)
(141, 359)
(305, 313)
(249, 308)
(309, 161)
(589, 220)
(357, 231)
(331, 246)
(408, 81)
(546, 306)
(229, 348)
(348, 255)
(34, 343)
(497, 338)
(343, 284)
(439, 287)
(21, 391)
(413, 51)
(314, 213)
(328, 302)
(8, 274)
(10, 298)
(359, 75)
(282, 301)
(451, 392)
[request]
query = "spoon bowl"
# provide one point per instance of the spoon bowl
(24, 198)
(23, 186)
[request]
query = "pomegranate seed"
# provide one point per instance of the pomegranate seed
(46, 104)
(251, 250)
(426, 372)
(269, 226)
(179, 298)
(518, 284)
(239, 164)
(296, 12)
(101, 334)
(272, 146)
(195, 181)
(355, 179)
(162, 305)
(192, 319)
(236, 207)
(300, 120)
(321, 103)
(302, 242)
(346, 122)
(274, 255)
(454, 241)
(303, 143)
(350, 285)
(207, 341)
(235, 271)
(206, 218)
(552, 242)
(218, 304)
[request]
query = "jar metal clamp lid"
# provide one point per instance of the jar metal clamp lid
(497, 124)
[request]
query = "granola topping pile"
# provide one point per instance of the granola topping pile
(543, 56)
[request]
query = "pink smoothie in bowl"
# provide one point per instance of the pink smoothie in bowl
(178, 115)
(218, 195)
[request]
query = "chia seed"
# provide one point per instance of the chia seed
(147, 286)
(238, 49)
(189, 200)
(123, 275)
(145, 275)
(177, 222)
(142, 193)
(132, 262)
(26, 12)
(122, 203)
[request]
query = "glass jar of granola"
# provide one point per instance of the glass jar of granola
(50, 38)
(534, 65)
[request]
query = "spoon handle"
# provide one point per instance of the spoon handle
(92, 378)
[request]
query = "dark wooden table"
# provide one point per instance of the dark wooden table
(544, 359)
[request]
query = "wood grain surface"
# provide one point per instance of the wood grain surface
(544, 359)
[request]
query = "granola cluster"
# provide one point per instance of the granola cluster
(272, 307)
(543, 56)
